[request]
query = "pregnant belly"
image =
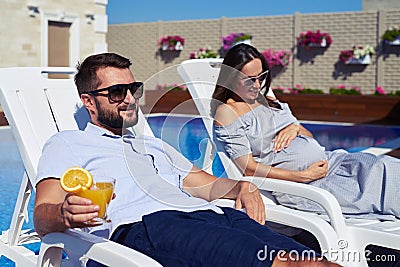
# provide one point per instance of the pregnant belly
(301, 153)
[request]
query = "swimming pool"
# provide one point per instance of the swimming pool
(11, 172)
(188, 135)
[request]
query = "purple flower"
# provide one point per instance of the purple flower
(230, 39)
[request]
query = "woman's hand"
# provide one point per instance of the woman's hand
(316, 171)
(285, 137)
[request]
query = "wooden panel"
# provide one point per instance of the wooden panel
(3, 119)
(358, 109)
(174, 101)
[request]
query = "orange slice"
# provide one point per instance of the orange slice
(76, 179)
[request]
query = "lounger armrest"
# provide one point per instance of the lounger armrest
(79, 246)
(324, 198)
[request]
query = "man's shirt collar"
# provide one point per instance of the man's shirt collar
(94, 129)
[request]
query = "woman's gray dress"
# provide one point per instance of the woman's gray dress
(362, 183)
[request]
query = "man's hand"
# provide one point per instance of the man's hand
(55, 210)
(249, 198)
(203, 185)
(78, 212)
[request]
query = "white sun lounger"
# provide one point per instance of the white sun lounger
(36, 108)
(332, 230)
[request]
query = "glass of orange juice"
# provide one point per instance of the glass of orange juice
(100, 194)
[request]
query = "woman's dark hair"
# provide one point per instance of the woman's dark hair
(86, 79)
(238, 56)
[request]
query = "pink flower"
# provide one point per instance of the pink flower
(309, 37)
(171, 41)
(279, 89)
(380, 91)
(299, 87)
(342, 86)
(345, 55)
(277, 58)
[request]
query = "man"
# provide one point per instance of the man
(162, 206)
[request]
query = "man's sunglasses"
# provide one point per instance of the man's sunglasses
(250, 81)
(117, 92)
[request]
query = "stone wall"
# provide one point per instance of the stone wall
(314, 68)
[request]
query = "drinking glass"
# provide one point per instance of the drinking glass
(100, 194)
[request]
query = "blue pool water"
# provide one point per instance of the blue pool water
(11, 172)
(188, 135)
(352, 137)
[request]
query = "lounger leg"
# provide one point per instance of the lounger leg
(50, 255)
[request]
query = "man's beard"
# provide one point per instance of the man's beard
(114, 120)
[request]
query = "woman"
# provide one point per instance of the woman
(264, 139)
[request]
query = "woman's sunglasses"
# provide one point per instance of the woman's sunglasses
(250, 81)
(117, 92)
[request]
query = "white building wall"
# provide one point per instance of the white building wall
(23, 40)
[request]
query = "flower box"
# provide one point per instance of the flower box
(395, 42)
(320, 44)
(171, 43)
(177, 47)
(234, 39)
(365, 60)
(314, 39)
(391, 36)
(360, 55)
(247, 41)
